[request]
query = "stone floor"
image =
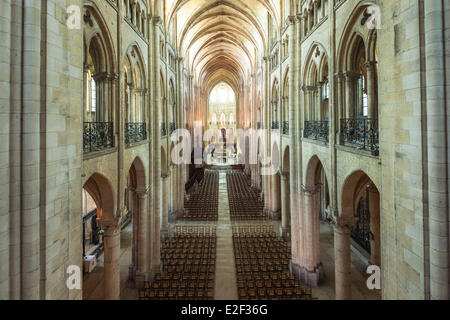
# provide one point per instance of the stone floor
(93, 282)
(225, 282)
(325, 290)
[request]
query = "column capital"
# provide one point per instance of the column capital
(344, 223)
(156, 20)
(110, 226)
(310, 191)
(164, 176)
(370, 64)
(290, 20)
(339, 76)
(114, 76)
(100, 76)
(143, 191)
(351, 75)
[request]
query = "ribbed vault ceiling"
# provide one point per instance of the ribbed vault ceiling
(221, 39)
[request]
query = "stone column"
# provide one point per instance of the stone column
(340, 105)
(436, 224)
(112, 263)
(349, 95)
(275, 196)
(312, 236)
(285, 205)
(165, 206)
(342, 258)
(141, 232)
(320, 101)
(374, 209)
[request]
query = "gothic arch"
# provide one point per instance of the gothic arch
(99, 35)
(139, 168)
(351, 191)
(101, 191)
(352, 29)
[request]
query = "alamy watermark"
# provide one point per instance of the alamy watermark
(374, 280)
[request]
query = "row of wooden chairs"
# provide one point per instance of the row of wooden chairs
(203, 203)
(244, 202)
(264, 274)
(188, 263)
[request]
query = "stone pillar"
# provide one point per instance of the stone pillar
(275, 197)
(374, 209)
(342, 258)
(141, 232)
(112, 263)
(285, 205)
(349, 95)
(320, 101)
(436, 224)
(165, 206)
(312, 237)
(340, 104)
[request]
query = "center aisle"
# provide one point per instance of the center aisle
(225, 286)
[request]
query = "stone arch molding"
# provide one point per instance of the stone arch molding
(350, 193)
(99, 32)
(101, 191)
(351, 31)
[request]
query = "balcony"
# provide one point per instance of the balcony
(135, 132)
(361, 134)
(97, 136)
(275, 125)
(285, 128)
(316, 130)
(258, 125)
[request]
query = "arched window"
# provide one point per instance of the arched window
(98, 109)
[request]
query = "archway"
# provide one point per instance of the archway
(358, 227)
(136, 202)
(275, 181)
(316, 197)
(100, 191)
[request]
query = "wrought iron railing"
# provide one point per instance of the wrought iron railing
(316, 130)
(258, 125)
(275, 125)
(285, 128)
(135, 132)
(97, 136)
(172, 127)
(163, 129)
(361, 133)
